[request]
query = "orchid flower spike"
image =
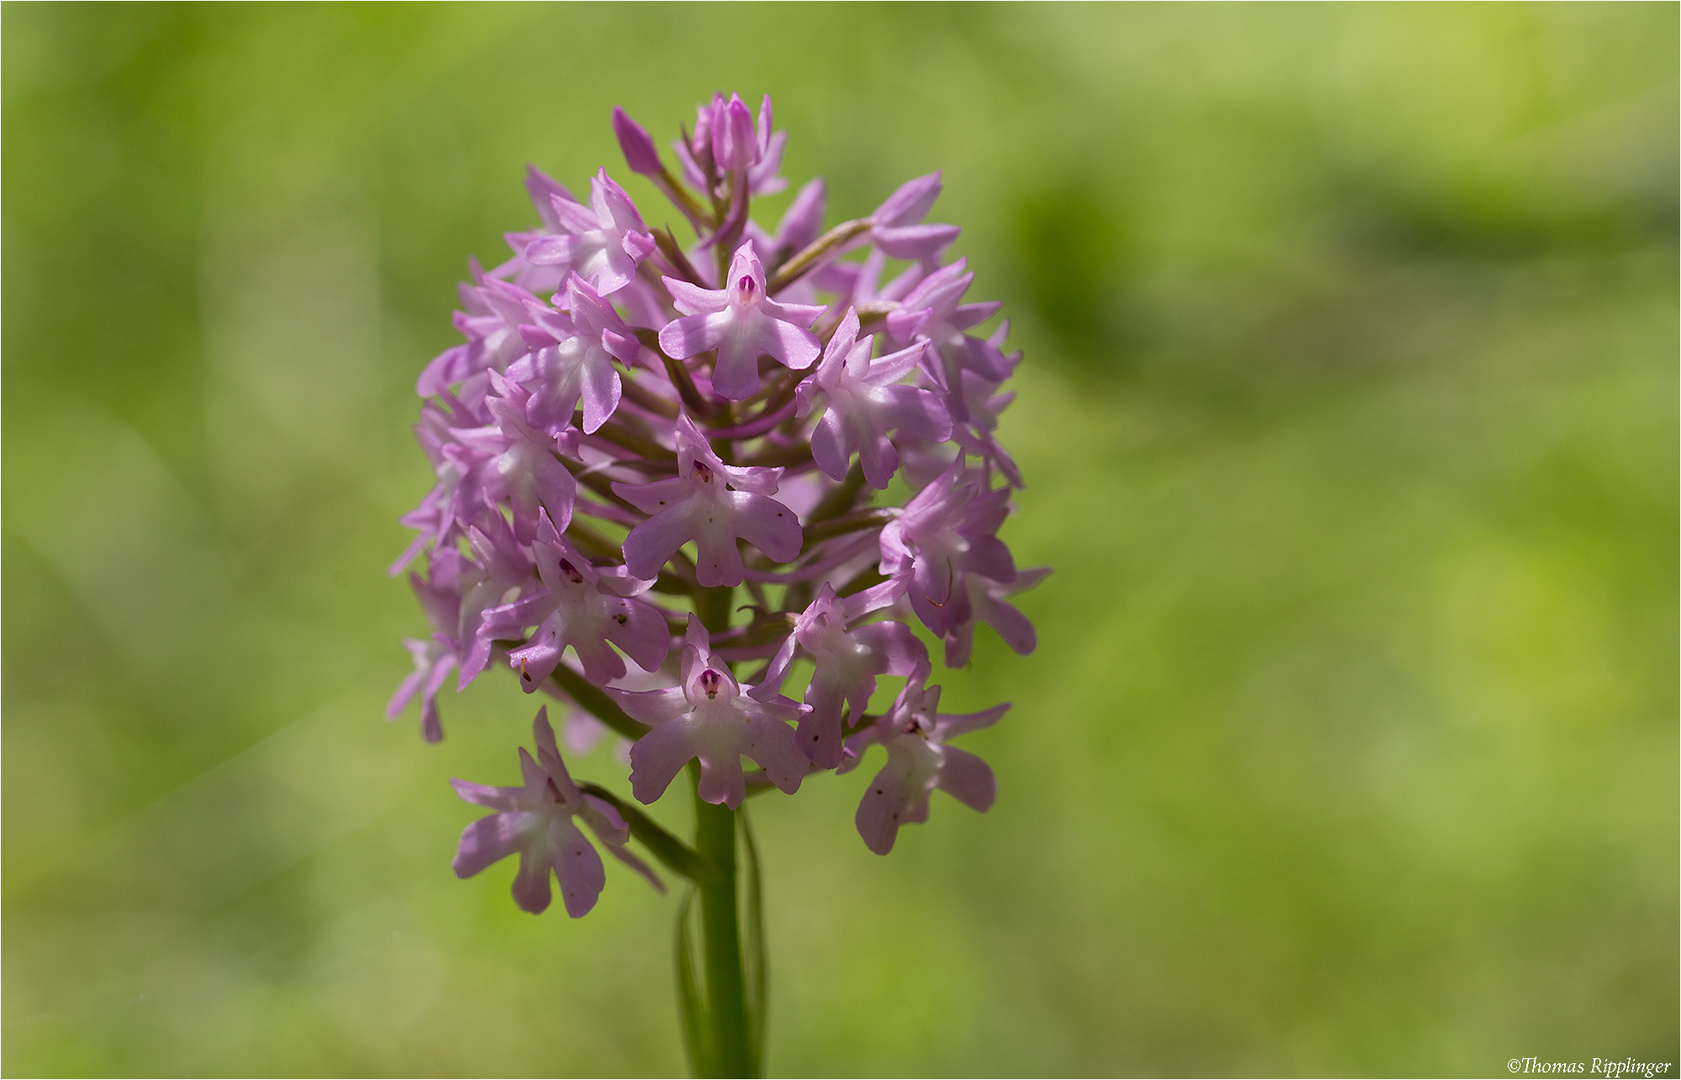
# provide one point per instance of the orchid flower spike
(670, 478)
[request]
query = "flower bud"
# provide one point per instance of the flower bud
(734, 143)
(638, 147)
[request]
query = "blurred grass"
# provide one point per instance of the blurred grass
(1349, 422)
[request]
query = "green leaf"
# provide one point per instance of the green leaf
(690, 1008)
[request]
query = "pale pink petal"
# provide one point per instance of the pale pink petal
(657, 757)
(883, 804)
(485, 841)
(968, 779)
(405, 692)
(803, 219)
(492, 798)
(601, 664)
(717, 558)
(819, 734)
(829, 446)
(896, 645)
(431, 724)
(910, 202)
(791, 345)
(651, 543)
(536, 661)
(953, 725)
(574, 216)
(556, 489)
(691, 299)
(771, 685)
(917, 412)
(989, 557)
(1011, 624)
(905, 323)
(651, 706)
(691, 336)
(552, 250)
(613, 269)
(600, 393)
(895, 366)
(656, 496)
(541, 186)
(640, 630)
(915, 241)
(966, 315)
(721, 779)
(531, 884)
(577, 866)
(768, 525)
(876, 455)
(736, 373)
(772, 744)
(759, 479)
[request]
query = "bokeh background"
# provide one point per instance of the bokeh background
(1349, 420)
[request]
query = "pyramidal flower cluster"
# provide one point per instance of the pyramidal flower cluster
(678, 482)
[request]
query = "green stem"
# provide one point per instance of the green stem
(713, 607)
(715, 825)
(836, 237)
(726, 986)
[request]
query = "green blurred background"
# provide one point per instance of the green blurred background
(1349, 422)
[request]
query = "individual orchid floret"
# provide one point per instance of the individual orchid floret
(522, 465)
(572, 357)
(491, 326)
(978, 404)
(948, 530)
(602, 242)
(437, 516)
(539, 821)
(734, 151)
(896, 226)
(864, 402)
(582, 607)
(734, 146)
(932, 310)
(500, 571)
(726, 139)
(712, 504)
(710, 717)
(435, 657)
(742, 323)
(847, 663)
(538, 279)
(983, 601)
(916, 736)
